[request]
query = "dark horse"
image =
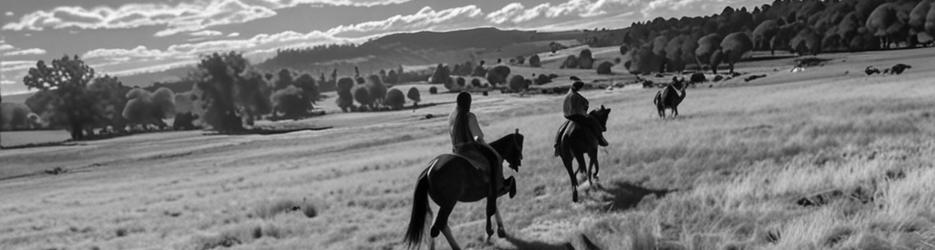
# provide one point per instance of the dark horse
(670, 98)
(577, 141)
(449, 179)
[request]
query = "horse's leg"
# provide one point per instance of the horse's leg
(500, 231)
(595, 164)
(566, 159)
(451, 239)
(675, 111)
(441, 221)
(582, 167)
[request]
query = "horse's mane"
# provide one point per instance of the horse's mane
(503, 140)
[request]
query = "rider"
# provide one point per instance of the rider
(576, 110)
(468, 140)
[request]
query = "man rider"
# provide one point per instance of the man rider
(576, 110)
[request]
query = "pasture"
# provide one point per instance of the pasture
(814, 159)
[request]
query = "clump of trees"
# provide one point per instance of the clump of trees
(498, 75)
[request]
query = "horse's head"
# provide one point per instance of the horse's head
(510, 148)
(601, 115)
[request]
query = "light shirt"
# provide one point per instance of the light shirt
(575, 104)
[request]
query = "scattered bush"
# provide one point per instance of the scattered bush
(518, 83)
(571, 62)
(604, 68)
(534, 61)
(498, 75)
(395, 99)
(433, 90)
(585, 61)
(362, 96)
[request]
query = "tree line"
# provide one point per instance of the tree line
(805, 27)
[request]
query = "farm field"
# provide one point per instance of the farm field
(813, 159)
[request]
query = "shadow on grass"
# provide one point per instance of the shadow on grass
(43, 144)
(523, 244)
(625, 196)
(263, 131)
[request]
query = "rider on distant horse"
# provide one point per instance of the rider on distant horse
(576, 110)
(468, 141)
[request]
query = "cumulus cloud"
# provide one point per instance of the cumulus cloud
(9, 13)
(426, 19)
(235, 34)
(517, 13)
(178, 18)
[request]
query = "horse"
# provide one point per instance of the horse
(449, 180)
(669, 98)
(577, 141)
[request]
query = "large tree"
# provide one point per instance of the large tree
(67, 80)
(231, 93)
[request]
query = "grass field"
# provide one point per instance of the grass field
(818, 159)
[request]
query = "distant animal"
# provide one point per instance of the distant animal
(577, 141)
(669, 98)
(451, 179)
(899, 68)
(870, 70)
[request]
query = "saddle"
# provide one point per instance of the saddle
(473, 155)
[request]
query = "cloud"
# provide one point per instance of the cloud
(9, 13)
(5, 47)
(24, 52)
(207, 33)
(426, 19)
(548, 13)
(235, 34)
(178, 18)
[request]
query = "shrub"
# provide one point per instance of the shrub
(604, 68)
(433, 90)
(362, 96)
(534, 61)
(290, 102)
(543, 79)
(395, 99)
(518, 83)
(476, 83)
(571, 62)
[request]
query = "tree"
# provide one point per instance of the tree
(310, 92)
(345, 99)
(392, 77)
(764, 33)
(603, 68)
(377, 89)
(441, 75)
(413, 95)
(109, 97)
(735, 47)
(707, 45)
(231, 94)
(498, 74)
(520, 60)
(67, 80)
(534, 61)
(518, 83)
(362, 96)
(283, 79)
(453, 86)
(884, 23)
(290, 102)
(480, 70)
(585, 61)
(395, 99)
(805, 42)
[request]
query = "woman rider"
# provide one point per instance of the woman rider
(468, 140)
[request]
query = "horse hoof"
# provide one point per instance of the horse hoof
(501, 233)
(489, 232)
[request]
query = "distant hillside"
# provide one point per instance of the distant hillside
(429, 48)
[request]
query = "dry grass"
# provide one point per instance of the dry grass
(831, 162)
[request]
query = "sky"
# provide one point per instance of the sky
(122, 37)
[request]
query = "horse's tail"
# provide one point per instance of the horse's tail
(420, 208)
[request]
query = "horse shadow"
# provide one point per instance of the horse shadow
(624, 195)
